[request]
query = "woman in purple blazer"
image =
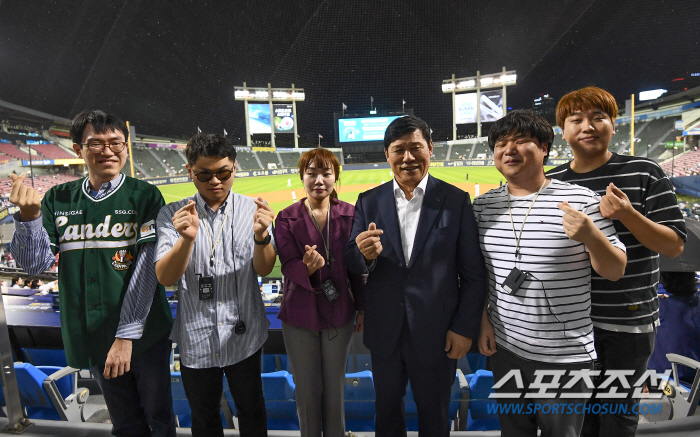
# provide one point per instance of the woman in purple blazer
(322, 303)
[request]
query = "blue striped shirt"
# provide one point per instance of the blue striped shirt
(204, 329)
(31, 248)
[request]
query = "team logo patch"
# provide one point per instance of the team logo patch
(122, 259)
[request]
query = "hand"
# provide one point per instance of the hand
(26, 198)
(359, 321)
(369, 243)
(312, 259)
(577, 225)
(262, 218)
(457, 345)
(118, 359)
(186, 221)
(487, 337)
(615, 203)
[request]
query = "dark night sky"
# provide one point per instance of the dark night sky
(170, 66)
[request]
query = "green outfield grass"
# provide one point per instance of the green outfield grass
(278, 183)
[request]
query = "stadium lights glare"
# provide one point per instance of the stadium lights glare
(496, 80)
(263, 94)
(650, 94)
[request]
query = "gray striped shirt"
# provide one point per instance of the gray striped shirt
(204, 329)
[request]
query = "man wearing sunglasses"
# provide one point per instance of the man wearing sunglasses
(214, 245)
(115, 317)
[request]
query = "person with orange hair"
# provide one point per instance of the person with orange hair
(322, 304)
(639, 198)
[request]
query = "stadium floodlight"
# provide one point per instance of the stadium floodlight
(651, 94)
(273, 118)
(477, 83)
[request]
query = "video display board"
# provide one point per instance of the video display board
(283, 120)
(259, 118)
(352, 130)
(491, 106)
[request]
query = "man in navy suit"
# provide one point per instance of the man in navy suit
(417, 239)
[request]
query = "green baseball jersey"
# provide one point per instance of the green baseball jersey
(99, 241)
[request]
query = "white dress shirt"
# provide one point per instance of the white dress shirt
(409, 213)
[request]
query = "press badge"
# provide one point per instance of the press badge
(206, 287)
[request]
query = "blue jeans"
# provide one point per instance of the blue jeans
(140, 402)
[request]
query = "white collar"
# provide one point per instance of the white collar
(421, 185)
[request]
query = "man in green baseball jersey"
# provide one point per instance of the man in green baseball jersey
(115, 317)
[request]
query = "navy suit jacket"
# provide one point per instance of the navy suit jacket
(443, 286)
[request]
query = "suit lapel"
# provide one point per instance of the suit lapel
(387, 208)
(432, 204)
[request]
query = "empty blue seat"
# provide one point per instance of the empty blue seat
(479, 418)
(46, 357)
(280, 401)
(471, 362)
(267, 363)
(359, 401)
(50, 392)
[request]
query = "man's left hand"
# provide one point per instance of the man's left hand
(457, 345)
(615, 203)
(262, 218)
(118, 359)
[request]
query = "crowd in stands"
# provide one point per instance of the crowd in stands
(41, 183)
(687, 164)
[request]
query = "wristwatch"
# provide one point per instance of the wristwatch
(264, 242)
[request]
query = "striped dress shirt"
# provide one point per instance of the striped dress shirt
(204, 329)
(32, 250)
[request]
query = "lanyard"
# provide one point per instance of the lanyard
(517, 237)
(327, 240)
(218, 234)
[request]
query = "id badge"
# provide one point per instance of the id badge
(206, 287)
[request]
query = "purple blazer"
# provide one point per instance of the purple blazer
(303, 302)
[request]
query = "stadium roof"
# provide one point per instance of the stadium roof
(170, 67)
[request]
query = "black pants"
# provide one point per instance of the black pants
(204, 387)
(140, 402)
(619, 351)
(556, 417)
(431, 385)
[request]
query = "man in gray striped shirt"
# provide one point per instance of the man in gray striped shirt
(639, 198)
(540, 238)
(213, 245)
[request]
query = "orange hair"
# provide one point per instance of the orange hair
(321, 158)
(586, 99)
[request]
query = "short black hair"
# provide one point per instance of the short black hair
(523, 122)
(100, 121)
(209, 145)
(402, 126)
(679, 283)
(15, 280)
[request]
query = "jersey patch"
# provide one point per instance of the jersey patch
(122, 259)
(148, 229)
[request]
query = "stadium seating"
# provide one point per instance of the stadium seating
(49, 392)
(290, 159)
(12, 151)
(685, 164)
(46, 357)
(268, 157)
(479, 418)
(150, 165)
(359, 401)
(41, 183)
(52, 151)
(172, 159)
(440, 152)
(247, 160)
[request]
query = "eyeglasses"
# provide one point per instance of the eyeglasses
(206, 176)
(115, 147)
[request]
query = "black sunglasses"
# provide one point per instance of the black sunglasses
(206, 176)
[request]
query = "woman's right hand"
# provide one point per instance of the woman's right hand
(312, 259)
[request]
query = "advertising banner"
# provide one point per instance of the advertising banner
(283, 120)
(259, 118)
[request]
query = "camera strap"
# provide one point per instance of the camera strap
(327, 239)
(518, 237)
